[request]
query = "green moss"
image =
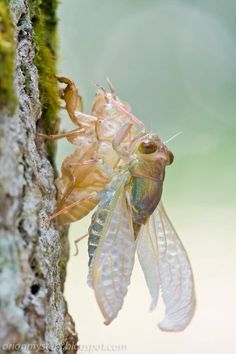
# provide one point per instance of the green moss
(43, 16)
(8, 99)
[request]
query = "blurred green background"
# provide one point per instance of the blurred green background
(175, 63)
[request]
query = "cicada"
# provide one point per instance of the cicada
(130, 217)
(120, 167)
(99, 139)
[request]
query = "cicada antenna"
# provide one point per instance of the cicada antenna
(99, 88)
(172, 137)
(111, 87)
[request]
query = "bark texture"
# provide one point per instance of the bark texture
(33, 256)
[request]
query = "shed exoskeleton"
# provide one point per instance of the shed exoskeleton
(99, 140)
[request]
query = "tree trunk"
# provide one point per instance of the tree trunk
(33, 255)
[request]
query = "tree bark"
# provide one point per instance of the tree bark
(33, 255)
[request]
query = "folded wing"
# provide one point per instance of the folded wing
(172, 268)
(147, 250)
(113, 262)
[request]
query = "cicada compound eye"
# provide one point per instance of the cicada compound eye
(147, 147)
(170, 158)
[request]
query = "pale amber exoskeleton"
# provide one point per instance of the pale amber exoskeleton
(102, 142)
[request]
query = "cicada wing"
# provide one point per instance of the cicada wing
(165, 264)
(113, 262)
(147, 250)
(176, 277)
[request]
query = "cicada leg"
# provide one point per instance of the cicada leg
(120, 136)
(122, 109)
(70, 206)
(77, 241)
(73, 133)
(74, 104)
(71, 97)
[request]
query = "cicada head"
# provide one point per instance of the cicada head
(152, 148)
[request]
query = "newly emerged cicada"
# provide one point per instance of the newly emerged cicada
(131, 217)
(120, 168)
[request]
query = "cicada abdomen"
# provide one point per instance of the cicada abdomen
(102, 214)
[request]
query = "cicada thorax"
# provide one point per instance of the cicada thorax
(145, 191)
(146, 183)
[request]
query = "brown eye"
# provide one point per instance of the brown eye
(147, 147)
(170, 158)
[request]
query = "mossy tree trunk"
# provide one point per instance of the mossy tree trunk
(33, 256)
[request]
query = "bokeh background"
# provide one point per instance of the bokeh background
(175, 63)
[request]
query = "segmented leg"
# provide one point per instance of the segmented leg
(70, 134)
(122, 109)
(77, 241)
(73, 104)
(71, 97)
(70, 206)
(83, 163)
(120, 136)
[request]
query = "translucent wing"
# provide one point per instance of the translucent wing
(147, 250)
(113, 261)
(173, 271)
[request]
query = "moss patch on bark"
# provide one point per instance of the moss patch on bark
(8, 100)
(44, 20)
